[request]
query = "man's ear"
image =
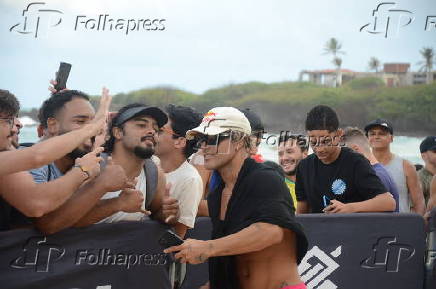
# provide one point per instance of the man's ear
(117, 132)
(180, 142)
(53, 126)
(424, 156)
(356, 148)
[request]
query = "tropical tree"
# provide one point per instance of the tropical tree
(333, 47)
(427, 65)
(374, 64)
(337, 61)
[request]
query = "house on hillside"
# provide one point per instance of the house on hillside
(393, 75)
(327, 77)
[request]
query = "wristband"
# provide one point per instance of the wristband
(83, 169)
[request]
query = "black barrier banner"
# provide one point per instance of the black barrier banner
(356, 251)
(106, 256)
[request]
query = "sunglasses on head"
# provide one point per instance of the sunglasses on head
(210, 140)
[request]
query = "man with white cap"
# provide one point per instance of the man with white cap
(256, 242)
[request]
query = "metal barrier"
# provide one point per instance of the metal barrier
(358, 251)
(346, 251)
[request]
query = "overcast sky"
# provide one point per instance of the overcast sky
(205, 43)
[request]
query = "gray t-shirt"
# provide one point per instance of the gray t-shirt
(46, 173)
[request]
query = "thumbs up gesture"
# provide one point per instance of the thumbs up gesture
(170, 207)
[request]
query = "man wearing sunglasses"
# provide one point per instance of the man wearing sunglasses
(173, 150)
(256, 242)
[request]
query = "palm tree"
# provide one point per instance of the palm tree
(337, 61)
(427, 65)
(374, 64)
(333, 47)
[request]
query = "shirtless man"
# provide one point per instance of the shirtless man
(256, 243)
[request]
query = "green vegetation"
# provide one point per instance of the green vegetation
(283, 105)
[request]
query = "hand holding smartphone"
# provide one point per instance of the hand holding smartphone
(170, 239)
(62, 76)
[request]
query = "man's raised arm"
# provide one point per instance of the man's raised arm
(56, 147)
(37, 199)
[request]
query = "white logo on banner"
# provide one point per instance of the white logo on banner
(315, 275)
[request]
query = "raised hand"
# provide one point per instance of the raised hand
(52, 88)
(170, 207)
(99, 123)
(131, 201)
(90, 162)
(114, 178)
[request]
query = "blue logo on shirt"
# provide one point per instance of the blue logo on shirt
(339, 187)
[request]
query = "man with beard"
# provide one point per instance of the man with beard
(131, 145)
(18, 188)
(292, 149)
(256, 242)
(63, 112)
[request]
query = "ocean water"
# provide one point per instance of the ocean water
(405, 146)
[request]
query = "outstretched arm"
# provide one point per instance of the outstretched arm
(37, 199)
(56, 147)
(82, 201)
(380, 203)
(255, 237)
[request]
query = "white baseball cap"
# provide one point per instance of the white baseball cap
(221, 119)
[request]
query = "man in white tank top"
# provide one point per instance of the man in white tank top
(131, 142)
(173, 150)
(380, 136)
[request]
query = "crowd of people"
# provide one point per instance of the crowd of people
(174, 165)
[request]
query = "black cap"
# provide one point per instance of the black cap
(253, 119)
(379, 122)
(428, 144)
(155, 112)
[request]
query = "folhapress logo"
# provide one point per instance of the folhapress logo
(36, 18)
(317, 266)
(38, 254)
(388, 255)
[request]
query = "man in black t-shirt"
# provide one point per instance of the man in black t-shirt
(335, 179)
(253, 224)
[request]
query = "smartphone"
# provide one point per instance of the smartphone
(169, 239)
(62, 76)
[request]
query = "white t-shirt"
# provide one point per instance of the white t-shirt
(187, 188)
(123, 216)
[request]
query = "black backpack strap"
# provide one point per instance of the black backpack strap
(151, 176)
